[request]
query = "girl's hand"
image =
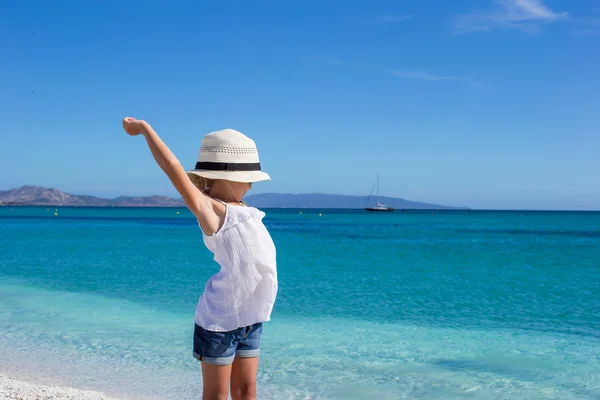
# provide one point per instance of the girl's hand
(134, 126)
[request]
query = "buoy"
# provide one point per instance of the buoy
(300, 213)
(55, 214)
(177, 212)
(320, 215)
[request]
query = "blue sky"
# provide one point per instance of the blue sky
(488, 104)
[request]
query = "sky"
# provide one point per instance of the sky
(485, 104)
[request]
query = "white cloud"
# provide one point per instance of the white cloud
(429, 76)
(586, 26)
(332, 61)
(522, 15)
(377, 20)
(420, 75)
(390, 18)
(425, 76)
(477, 84)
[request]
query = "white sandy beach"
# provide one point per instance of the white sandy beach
(12, 389)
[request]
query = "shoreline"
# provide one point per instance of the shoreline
(18, 389)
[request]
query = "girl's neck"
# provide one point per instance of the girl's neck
(224, 198)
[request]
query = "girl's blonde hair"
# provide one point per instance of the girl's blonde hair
(203, 184)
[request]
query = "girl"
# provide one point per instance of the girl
(240, 297)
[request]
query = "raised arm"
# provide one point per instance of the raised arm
(199, 204)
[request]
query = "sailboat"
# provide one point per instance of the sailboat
(379, 206)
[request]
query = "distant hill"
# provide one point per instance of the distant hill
(319, 200)
(40, 196)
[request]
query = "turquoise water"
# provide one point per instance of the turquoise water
(450, 305)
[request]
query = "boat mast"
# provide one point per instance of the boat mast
(378, 189)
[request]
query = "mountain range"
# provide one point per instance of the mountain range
(41, 196)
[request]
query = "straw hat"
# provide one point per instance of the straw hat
(230, 155)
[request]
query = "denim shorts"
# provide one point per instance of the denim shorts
(221, 348)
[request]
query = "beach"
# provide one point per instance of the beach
(11, 389)
(451, 305)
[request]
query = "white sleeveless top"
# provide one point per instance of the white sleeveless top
(243, 292)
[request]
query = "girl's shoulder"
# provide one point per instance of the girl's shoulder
(236, 215)
(243, 213)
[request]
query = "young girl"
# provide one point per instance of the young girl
(239, 298)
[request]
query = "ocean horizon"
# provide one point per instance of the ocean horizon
(287, 209)
(444, 304)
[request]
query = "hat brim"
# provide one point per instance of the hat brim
(234, 176)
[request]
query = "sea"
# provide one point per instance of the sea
(403, 305)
